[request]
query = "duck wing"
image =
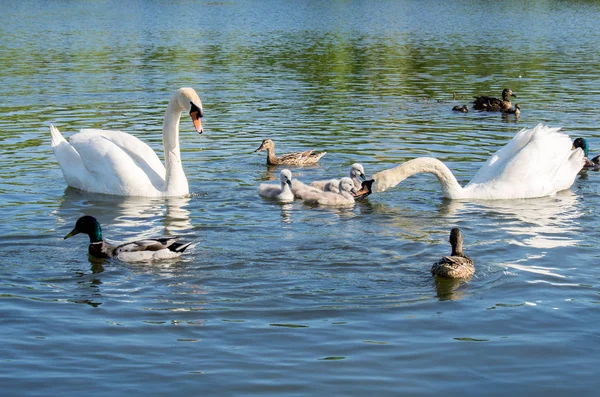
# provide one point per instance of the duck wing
(154, 244)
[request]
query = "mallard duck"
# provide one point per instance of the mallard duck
(491, 104)
(281, 193)
(135, 251)
(457, 265)
(463, 108)
(516, 110)
(299, 158)
(583, 144)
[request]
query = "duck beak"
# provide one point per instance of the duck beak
(261, 147)
(71, 234)
(515, 95)
(196, 116)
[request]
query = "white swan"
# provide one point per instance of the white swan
(537, 162)
(357, 174)
(344, 198)
(114, 162)
(281, 193)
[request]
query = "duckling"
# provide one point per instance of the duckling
(588, 164)
(463, 108)
(135, 251)
(357, 174)
(457, 265)
(344, 198)
(298, 158)
(281, 193)
(516, 110)
(491, 104)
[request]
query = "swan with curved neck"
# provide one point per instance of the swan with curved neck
(537, 162)
(114, 162)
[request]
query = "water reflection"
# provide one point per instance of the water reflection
(450, 289)
(145, 216)
(546, 222)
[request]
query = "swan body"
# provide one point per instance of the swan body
(457, 265)
(344, 198)
(135, 251)
(357, 174)
(282, 193)
(298, 158)
(117, 163)
(537, 162)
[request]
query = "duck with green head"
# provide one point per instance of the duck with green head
(588, 164)
(135, 251)
(457, 265)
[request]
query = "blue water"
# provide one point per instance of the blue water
(289, 299)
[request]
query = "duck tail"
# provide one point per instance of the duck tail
(179, 247)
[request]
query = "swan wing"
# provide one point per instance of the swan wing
(536, 162)
(112, 170)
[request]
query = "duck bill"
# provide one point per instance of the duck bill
(515, 95)
(196, 116)
(261, 147)
(71, 234)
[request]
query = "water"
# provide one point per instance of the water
(288, 299)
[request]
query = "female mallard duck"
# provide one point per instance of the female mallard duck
(299, 158)
(457, 265)
(491, 104)
(135, 251)
(588, 164)
(463, 108)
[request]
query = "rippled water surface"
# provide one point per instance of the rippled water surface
(290, 299)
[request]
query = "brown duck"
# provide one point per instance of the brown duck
(457, 265)
(491, 104)
(298, 158)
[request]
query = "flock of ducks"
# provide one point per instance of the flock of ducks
(491, 104)
(535, 163)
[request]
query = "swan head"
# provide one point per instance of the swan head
(189, 101)
(507, 93)
(286, 178)
(87, 225)
(266, 144)
(346, 185)
(357, 171)
(583, 144)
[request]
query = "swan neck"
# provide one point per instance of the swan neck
(393, 176)
(175, 177)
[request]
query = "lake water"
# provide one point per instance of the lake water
(291, 300)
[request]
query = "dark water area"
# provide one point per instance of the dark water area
(289, 299)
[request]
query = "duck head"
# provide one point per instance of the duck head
(87, 225)
(266, 144)
(581, 143)
(507, 93)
